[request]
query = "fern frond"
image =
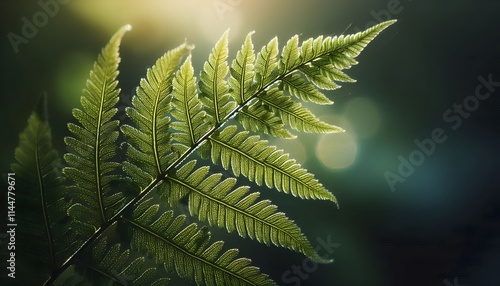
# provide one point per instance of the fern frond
(321, 60)
(300, 88)
(255, 117)
(113, 266)
(93, 145)
(322, 75)
(266, 64)
(311, 49)
(350, 46)
(261, 163)
(293, 114)
(302, 71)
(258, 118)
(213, 85)
(243, 71)
(340, 50)
(187, 249)
(188, 109)
(253, 93)
(290, 56)
(149, 143)
(224, 206)
(44, 237)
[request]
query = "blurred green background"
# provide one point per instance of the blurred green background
(442, 223)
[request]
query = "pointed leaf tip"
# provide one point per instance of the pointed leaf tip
(386, 23)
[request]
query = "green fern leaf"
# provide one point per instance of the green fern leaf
(320, 60)
(113, 266)
(243, 71)
(304, 90)
(293, 114)
(148, 144)
(352, 45)
(252, 92)
(188, 109)
(255, 117)
(213, 85)
(341, 50)
(290, 56)
(224, 206)
(187, 250)
(260, 163)
(311, 49)
(93, 144)
(40, 203)
(258, 118)
(266, 64)
(321, 75)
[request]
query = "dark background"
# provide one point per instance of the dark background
(440, 226)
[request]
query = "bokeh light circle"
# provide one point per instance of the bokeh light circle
(337, 150)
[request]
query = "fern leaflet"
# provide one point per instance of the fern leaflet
(148, 145)
(260, 163)
(213, 85)
(243, 71)
(293, 114)
(223, 205)
(41, 201)
(107, 265)
(93, 145)
(188, 110)
(187, 250)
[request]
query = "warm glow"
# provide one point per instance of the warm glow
(337, 150)
(161, 21)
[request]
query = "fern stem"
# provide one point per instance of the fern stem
(97, 163)
(189, 121)
(155, 141)
(216, 101)
(55, 275)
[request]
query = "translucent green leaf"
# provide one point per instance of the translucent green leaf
(224, 205)
(321, 76)
(258, 118)
(38, 200)
(148, 141)
(290, 56)
(266, 64)
(167, 123)
(213, 85)
(293, 114)
(91, 165)
(111, 265)
(261, 163)
(242, 72)
(187, 250)
(304, 90)
(187, 108)
(311, 49)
